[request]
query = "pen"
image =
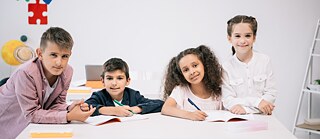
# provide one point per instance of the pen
(116, 101)
(193, 104)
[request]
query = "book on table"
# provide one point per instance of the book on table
(104, 119)
(226, 116)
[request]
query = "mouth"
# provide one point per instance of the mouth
(58, 68)
(112, 88)
(195, 77)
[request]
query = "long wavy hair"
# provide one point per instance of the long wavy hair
(212, 71)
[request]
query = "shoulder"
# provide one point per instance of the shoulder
(131, 91)
(261, 57)
(100, 92)
(229, 62)
(30, 68)
(67, 73)
(180, 89)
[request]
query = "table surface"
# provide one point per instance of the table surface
(162, 127)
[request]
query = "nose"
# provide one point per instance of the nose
(58, 61)
(242, 40)
(114, 82)
(192, 71)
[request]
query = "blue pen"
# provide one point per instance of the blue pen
(193, 104)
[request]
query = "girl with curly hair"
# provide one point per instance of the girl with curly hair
(194, 74)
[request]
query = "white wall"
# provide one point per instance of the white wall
(147, 33)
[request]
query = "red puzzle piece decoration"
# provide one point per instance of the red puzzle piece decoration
(37, 10)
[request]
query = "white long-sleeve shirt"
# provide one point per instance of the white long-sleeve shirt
(247, 84)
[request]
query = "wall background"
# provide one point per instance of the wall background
(147, 33)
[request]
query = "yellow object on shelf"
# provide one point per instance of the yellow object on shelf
(94, 84)
(79, 89)
(57, 133)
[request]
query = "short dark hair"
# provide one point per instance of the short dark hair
(57, 35)
(115, 64)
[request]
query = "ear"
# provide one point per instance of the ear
(102, 81)
(229, 38)
(128, 81)
(39, 53)
(254, 38)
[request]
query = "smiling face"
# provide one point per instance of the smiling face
(192, 68)
(115, 83)
(54, 59)
(242, 38)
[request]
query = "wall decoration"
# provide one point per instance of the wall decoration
(15, 52)
(37, 9)
(47, 1)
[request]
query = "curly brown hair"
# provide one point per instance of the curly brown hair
(212, 71)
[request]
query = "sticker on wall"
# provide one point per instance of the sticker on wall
(47, 1)
(15, 52)
(38, 9)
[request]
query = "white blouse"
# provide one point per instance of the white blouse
(181, 95)
(247, 84)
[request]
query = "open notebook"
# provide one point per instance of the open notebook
(226, 116)
(103, 119)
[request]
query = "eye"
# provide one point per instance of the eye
(195, 65)
(65, 56)
(53, 55)
(237, 36)
(120, 78)
(185, 70)
(109, 78)
(248, 36)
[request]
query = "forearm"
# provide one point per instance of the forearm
(107, 111)
(175, 112)
(49, 116)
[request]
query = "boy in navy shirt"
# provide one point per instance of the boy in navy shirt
(115, 78)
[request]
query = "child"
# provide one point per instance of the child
(194, 74)
(115, 78)
(249, 84)
(36, 91)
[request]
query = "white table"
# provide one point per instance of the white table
(164, 127)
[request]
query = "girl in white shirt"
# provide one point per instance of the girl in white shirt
(248, 79)
(194, 74)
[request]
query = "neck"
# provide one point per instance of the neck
(51, 78)
(117, 97)
(246, 57)
(200, 90)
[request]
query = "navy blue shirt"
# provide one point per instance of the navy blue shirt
(130, 97)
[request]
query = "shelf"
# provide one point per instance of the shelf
(311, 91)
(316, 55)
(308, 128)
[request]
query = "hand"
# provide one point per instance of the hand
(84, 107)
(136, 109)
(238, 109)
(77, 114)
(197, 115)
(74, 103)
(122, 111)
(266, 107)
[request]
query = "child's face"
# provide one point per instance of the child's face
(192, 68)
(242, 38)
(115, 83)
(54, 59)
